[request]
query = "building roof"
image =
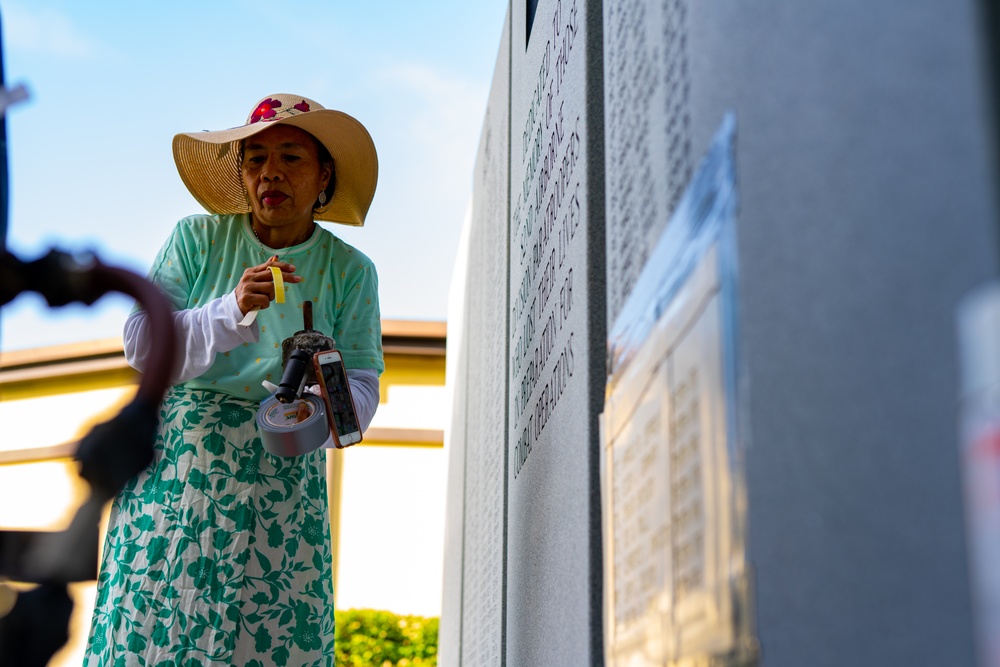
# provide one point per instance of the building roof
(414, 352)
(25, 373)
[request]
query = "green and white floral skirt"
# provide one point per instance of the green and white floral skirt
(219, 552)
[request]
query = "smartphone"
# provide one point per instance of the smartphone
(337, 395)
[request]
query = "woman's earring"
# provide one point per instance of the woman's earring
(322, 198)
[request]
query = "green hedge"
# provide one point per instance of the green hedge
(372, 638)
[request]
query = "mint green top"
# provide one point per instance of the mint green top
(204, 258)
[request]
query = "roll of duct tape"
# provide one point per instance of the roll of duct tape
(286, 430)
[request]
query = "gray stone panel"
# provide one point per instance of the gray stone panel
(865, 216)
(647, 121)
(556, 332)
(675, 576)
(450, 626)
(484, 548)
(866, 212)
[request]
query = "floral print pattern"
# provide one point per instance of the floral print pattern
(218, 553)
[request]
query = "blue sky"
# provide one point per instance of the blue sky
(112, 82)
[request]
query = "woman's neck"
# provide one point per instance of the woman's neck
(281, 237)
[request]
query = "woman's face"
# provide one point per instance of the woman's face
(283, 176)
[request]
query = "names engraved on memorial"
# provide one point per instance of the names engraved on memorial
(659, 498)
(485, 483)
(701, 489)
(647, 131)
(546, 228)
(482, 610)
(686, 487)
(640, 499)
(552, 514)
(673, 555)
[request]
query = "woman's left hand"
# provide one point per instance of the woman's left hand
(256, 286)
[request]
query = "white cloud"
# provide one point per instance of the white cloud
(45, 31)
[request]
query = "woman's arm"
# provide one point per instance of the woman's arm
(202, 333)
(212, 329)
(364, 391)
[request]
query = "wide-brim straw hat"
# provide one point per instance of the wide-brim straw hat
(209, 162)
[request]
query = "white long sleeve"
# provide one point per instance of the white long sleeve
(202, 333)
(365, 392)
(212, 329)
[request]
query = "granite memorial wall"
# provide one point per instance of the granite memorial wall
(770, 474)
(556, 335)
(536, 252)
(475, 580)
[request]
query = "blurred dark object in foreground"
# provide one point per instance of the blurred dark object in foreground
(109, 456)
(37, 627)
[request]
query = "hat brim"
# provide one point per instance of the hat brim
(209, 164)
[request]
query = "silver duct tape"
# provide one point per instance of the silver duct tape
(281, 431)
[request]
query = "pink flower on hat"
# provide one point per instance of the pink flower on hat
(302, 106)
(265, 110)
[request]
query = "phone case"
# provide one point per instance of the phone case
(340, 402)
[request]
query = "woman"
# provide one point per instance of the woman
(219, 552)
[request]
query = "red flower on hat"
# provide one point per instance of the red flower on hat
(264, 110)
(302, 106)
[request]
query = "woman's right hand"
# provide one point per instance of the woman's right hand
(256, 286)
